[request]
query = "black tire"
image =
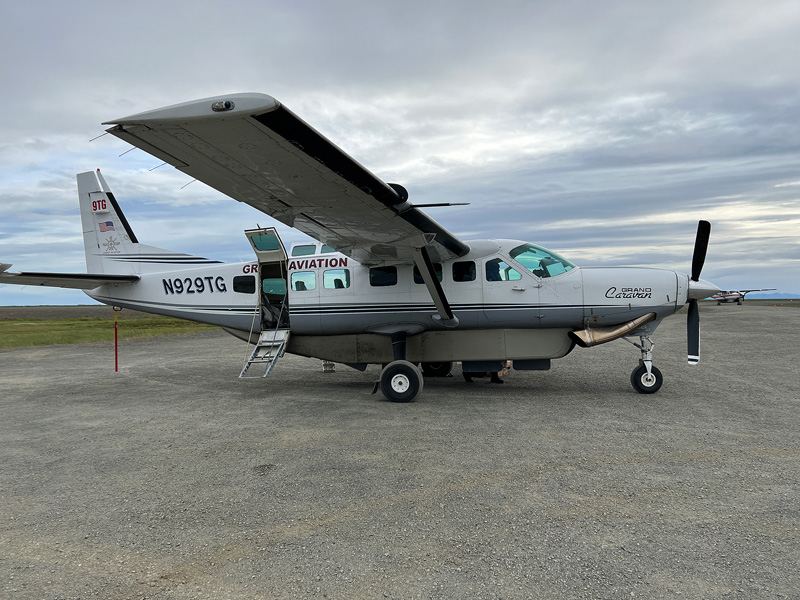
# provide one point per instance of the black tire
(436, 369)
(401, 381)
(644, 384)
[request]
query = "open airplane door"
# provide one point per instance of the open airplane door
(272, 275)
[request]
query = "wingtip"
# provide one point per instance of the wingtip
(242, 104)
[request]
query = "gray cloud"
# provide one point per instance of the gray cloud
(604, 129)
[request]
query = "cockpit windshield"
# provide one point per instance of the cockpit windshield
(540, 262)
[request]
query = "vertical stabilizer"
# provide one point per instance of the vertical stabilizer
(106, 232)
(109, 241)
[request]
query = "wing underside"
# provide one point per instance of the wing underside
(256, 151)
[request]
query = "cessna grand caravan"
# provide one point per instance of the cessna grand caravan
(725, 297)
(384, 283)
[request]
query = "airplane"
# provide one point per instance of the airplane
(382, 284)
(736, 295)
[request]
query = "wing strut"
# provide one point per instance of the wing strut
(423, 261)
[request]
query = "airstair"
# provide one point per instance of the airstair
(273, 307)
(270, 347)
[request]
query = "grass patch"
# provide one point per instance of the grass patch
(17, 333)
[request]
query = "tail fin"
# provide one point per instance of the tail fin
(109, 241)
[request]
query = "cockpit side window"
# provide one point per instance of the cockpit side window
(499, 270)
(539, 261)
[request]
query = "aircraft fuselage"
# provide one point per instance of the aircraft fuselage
(331, 294)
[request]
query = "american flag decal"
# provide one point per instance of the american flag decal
(106, 226)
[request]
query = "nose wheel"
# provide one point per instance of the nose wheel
(644, 382)
(646, 378)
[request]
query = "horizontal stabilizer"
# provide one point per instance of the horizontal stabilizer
(78, 281)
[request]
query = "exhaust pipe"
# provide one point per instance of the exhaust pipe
(600, 335)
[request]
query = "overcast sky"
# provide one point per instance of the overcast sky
(602, 130)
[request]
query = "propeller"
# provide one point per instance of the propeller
(693, 318)
(700, 248)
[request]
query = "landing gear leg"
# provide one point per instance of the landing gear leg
(646, 378)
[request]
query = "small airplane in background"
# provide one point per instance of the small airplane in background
(737, 296)
(383, 284)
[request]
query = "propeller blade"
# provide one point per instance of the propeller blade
(693, 332)
(700, 248)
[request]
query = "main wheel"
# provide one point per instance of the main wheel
(401, 381)
(644, 383)
(436, 369)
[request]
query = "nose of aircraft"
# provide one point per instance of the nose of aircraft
(701, 289)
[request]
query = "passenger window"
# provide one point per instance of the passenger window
(382, 276)
(244, 284)
(437, 268)
(304, 250)
(497, 270)
(274, 285)
(336, 279)
(303, 281)
(464, 271)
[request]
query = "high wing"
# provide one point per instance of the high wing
(78, 281)
(255, 150)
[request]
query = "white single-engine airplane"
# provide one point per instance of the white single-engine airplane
(384, 284)
(736, 295)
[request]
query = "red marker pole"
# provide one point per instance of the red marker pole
(116, 350)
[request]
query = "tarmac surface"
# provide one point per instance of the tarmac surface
(173, 479)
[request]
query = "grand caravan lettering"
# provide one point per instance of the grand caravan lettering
(629, 292)
(317, 263)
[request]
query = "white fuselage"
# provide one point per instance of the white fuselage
(225, 294)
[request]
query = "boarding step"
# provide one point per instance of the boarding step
(270, 347)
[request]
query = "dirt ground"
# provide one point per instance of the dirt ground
(174, 480)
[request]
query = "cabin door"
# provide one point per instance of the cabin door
(510, 297)
(271, 281)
